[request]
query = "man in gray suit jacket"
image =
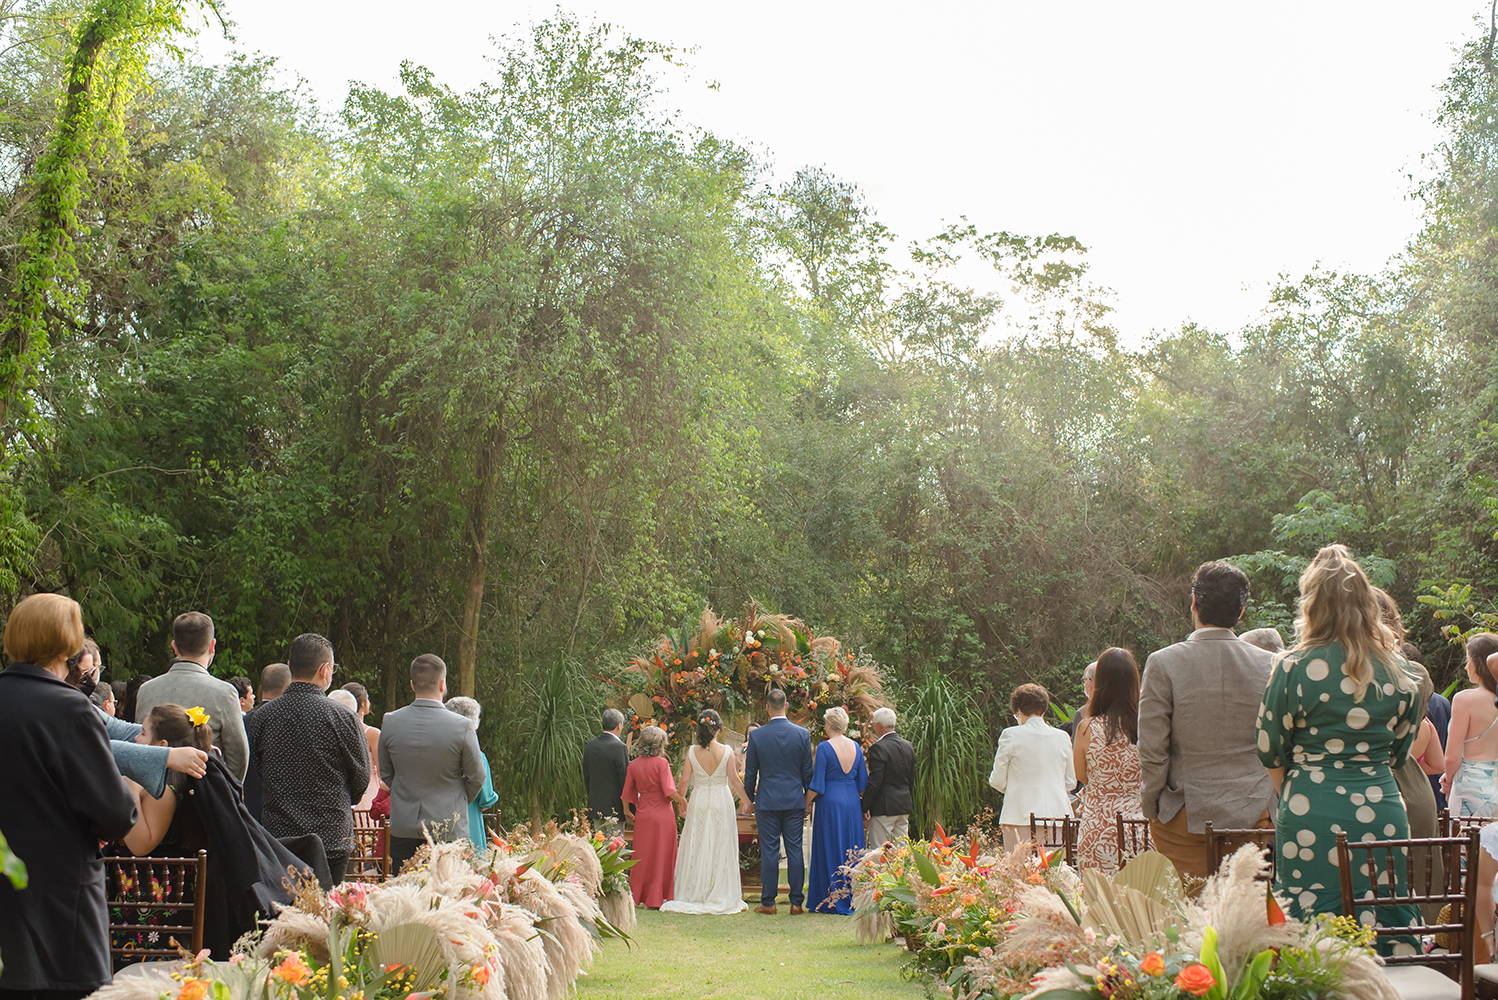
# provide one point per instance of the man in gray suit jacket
(429, 758)
(188, 683)
(1198, 703)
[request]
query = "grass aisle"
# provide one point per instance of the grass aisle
(748, 956)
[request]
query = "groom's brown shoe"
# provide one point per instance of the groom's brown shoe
(796, 911)
(765, 909)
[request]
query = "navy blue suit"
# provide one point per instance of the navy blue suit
(777, 772)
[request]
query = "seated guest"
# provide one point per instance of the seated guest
(248, 865)
(1032, 766)
(310, 757)
(1198, 701)
(430, 760)
(469, 709)
(60, 795)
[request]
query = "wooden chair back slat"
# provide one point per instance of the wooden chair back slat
(1052, 832)
(370, 860)
(1133, 838)
(1223, 843)
(156, 906)
(1452, 889)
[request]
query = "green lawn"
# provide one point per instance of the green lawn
(747, 956)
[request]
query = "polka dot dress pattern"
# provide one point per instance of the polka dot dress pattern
(1339, 756)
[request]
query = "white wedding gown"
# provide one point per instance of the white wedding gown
(707, 858)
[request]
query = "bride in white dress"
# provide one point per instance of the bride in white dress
(707, 858)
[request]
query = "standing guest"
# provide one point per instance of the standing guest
(103, 699)
(1267, 639)
(346, 700)
(188, 682)
(131, 695)
(1106, 756)
(887, 800)
(246, 693)
(605, 762)
(1032, 766)
(60, 795)
(649, 791)
(1337, 718)
(777, 774)
(1197, 704)
(1412, 778)
(1438, 714)
(372, 737)
(119, 697)
(274, 680)
(1471, 778)
(838, 776)
(469, 709)
(1089, 685)
(741, 761)
(310, 756)
(430, 760)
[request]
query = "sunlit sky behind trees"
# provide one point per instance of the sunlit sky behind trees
(1199, 150)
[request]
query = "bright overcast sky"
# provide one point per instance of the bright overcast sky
(1198, 149)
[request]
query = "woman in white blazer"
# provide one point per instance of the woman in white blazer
(1032, 767)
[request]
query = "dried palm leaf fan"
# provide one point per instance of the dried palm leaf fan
(416, 947)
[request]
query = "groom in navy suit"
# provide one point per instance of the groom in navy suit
(777, 770)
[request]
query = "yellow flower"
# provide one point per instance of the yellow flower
(197, 716)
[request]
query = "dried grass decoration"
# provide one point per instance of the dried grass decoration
(729, 665)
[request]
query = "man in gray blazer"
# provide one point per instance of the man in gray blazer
(188, 683)
(1198, 703)
(429, 758)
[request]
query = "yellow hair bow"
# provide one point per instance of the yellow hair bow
(197, 716)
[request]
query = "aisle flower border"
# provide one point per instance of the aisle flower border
(990, 925)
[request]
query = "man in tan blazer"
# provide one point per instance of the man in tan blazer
(1198, 703)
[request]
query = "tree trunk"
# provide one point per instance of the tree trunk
(476, 529)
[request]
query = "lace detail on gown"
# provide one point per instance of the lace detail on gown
(707, 859)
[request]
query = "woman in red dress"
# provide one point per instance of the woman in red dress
(649, 792)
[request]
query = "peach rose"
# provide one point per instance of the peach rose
(1195, 979)
(1153, 964)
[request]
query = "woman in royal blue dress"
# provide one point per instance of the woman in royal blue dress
(838, 776)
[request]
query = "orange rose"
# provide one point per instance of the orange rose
(1153, 964)
(1195, 979)
(481, 974)
(293, 970)
(193, 989)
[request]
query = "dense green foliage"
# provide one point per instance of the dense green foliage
(521, 374)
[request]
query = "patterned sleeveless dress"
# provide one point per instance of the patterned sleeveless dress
(1112, 787)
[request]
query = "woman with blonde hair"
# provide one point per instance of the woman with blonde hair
(838, 777)
(648, 793)
(60, 795)
(1337, 718)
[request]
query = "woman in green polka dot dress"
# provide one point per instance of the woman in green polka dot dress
(1338, 716)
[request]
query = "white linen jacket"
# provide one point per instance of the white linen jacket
(1033, 768)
